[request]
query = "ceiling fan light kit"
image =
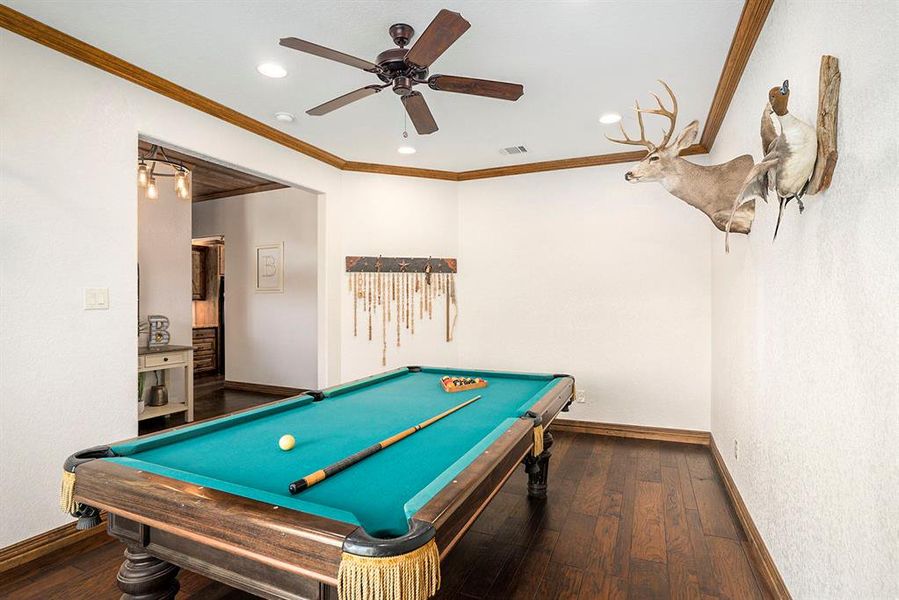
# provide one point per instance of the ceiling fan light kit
(401, 69)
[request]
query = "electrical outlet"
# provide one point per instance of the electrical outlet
(736, 449)
(580, 396)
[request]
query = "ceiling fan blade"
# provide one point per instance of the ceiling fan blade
(341, 101)
(316, 50)
(445, 29)
(476, 87)
(419, 113)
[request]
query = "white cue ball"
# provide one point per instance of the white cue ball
(286, 442)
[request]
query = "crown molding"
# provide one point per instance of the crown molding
(363, 167)
(61, 42)
(749, 26)
(752, 19)
(567, 163)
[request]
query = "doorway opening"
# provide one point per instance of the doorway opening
(208, 300)
(246, 328)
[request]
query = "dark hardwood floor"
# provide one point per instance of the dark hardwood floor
(624, 519)
(210, 401)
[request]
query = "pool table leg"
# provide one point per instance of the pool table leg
(537, 468)
(145, 577)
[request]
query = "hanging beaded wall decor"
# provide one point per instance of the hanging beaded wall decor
(394, 289)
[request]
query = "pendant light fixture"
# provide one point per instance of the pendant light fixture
(155, 164)
(143, 174)
(152, 190)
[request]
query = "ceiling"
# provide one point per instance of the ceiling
(209, 181)
(577, 59)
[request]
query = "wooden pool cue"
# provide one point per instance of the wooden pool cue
(309, 480)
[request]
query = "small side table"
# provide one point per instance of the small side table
(169, 357)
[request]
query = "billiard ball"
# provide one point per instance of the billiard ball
(287, 442)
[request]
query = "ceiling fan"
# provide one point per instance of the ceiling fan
(402, 68)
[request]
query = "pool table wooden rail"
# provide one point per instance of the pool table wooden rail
(279, 552)
(235, 524)
(456, 507)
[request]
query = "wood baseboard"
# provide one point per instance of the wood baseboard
(638, 432)
(262, 388)
(40, 545)
(758, 552)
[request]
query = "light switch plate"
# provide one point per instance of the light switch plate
(96, 298)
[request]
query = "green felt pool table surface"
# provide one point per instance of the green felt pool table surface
(239, 454)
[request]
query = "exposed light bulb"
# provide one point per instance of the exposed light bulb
(609, 118)
(181, 184)
(152, 190)
(406, 150)
(142, 174)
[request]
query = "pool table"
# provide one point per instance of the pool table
(212, 497)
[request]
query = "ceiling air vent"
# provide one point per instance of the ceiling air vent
(514, 150)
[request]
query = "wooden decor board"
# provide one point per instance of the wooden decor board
(398, 264)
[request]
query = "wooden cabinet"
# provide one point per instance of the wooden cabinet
(198, 271)
(205, 350)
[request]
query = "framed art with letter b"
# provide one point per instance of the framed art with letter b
(270, 267)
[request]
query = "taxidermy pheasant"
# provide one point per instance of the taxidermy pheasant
(789, 157)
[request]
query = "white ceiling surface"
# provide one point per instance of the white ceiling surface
(576, 59)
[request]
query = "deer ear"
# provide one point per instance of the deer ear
(687, 136)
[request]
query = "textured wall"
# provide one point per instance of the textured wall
(580, 272)
(68, 220)
(805, 339)
(392, 216)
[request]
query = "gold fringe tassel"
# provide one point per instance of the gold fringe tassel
(412, 576)
(538, 440)
(67, 493)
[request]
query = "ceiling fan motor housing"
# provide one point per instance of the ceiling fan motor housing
(393, 65)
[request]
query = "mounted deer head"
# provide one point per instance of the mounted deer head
(710, 189)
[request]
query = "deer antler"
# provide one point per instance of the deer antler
(627, 140)
(671, 115)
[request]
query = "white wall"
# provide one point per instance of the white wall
(806, 329)
(580, 272)
(68, 220)
(163, 253)
(393, 216)
(270, 338)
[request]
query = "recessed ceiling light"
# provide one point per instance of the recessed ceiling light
(273, 70)
(406, 150)
(285, 117)
(610, 118)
